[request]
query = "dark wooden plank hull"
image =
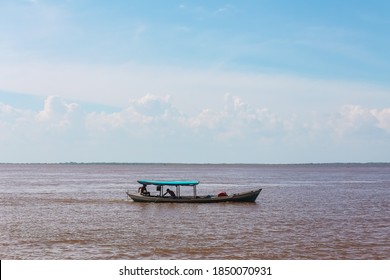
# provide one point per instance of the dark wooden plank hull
(239, 197)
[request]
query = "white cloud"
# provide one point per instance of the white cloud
(59, 117)
(382, 117)
(225, 10)
(148, 116)
(192, 89)
(361, 122)
(55, 108)
(6, 109)
(242, 121)
(151, 105)
(152, 128)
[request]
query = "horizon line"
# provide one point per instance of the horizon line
(190, 163)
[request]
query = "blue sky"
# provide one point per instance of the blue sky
(194, 81)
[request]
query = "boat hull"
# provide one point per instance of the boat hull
(239, 197)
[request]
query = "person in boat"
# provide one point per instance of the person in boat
(171, 193)
(142, 190)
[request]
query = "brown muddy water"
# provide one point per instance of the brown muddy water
(80, 211)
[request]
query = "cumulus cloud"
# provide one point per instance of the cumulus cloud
(57, 119)
(152, 126)
(8, 112)
(54, 133)
(147, 115)
(383, 118)
(359, 121)
(54, 108)
(153, 106)
(14, 122)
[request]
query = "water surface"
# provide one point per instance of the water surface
(65, 211)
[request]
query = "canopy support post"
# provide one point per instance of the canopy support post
(178, 191)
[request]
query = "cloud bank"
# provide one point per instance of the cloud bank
(153, 129)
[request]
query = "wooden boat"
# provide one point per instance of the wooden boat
(175, 197)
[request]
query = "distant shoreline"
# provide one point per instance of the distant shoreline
(180, 163)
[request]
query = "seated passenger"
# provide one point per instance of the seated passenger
(171, 193)
(143, 190)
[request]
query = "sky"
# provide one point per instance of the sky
(252, 81)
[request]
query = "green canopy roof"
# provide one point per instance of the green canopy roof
(168, 183)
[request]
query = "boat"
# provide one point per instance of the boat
(143, 195)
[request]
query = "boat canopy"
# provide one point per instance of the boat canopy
(168, 183)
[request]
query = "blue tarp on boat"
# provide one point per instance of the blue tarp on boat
(168, 183)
